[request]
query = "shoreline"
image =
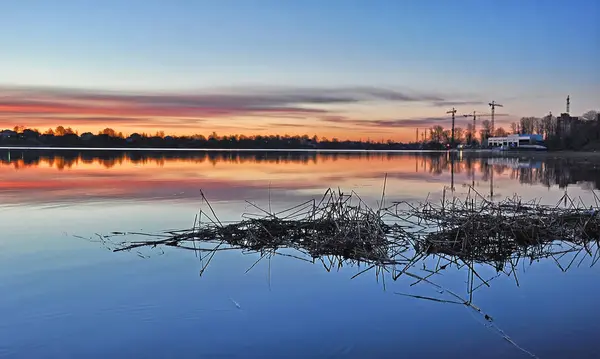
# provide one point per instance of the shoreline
(175, 149)
(306, 150)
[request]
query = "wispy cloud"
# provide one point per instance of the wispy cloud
(279, 101)
(457, 103)
(392, 123)
(424, 122)
(289, 107)
(9, 120)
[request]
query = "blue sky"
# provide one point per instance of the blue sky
(527, 54)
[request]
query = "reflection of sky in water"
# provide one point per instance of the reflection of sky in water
(33, 178)
(67, 297)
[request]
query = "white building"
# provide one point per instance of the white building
(514, 140)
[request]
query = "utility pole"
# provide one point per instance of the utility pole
(493, 105)
(453, 112)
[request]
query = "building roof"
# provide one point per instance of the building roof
(518, 136)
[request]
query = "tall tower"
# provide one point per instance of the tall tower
(568, 105)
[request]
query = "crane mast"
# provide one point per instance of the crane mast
(453, 112)
(493, 105)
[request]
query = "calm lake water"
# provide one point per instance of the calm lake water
(63, 296)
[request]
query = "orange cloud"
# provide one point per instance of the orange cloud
(264, 109)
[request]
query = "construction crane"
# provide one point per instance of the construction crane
(475, 116)
(493, 105)
(453, 112)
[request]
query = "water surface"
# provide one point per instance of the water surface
(64, 296)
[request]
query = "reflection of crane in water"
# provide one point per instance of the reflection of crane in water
(416, 164)
(491, 183)
(452, 158)
(452, 172)
(487, 170)
(471, 167)
(491, 169)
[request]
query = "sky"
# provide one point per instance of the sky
(352, 69)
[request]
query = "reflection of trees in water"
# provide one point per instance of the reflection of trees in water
(109, 159)
(545, 171)
(561, 173)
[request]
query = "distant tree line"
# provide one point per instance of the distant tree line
(570, 133)
(67, 137)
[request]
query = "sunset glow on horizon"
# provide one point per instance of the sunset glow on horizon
(257, 111)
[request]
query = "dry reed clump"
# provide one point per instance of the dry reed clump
(339, 225)
(479, 230)
(343, 226)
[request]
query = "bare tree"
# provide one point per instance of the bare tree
(459, 134)
(500, 132)
(590, 115)
(436, 133)
(486, 129)
(470, 133)
(539, 126)
(549, 125)
(529, 124)
(447, 136)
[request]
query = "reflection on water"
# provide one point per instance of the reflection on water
(67, 297)
(72, 176)
(421, 241)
